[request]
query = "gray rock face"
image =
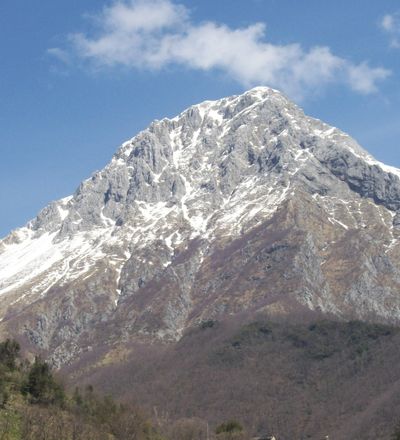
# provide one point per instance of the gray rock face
(239, 204)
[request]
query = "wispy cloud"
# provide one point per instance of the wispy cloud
(60, 54)
(153, 34)
(390, 23)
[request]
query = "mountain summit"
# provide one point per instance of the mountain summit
(241, 205)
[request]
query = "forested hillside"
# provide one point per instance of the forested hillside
(296, 380)
(35, 406)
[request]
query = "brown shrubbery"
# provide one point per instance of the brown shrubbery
(221, 382)
(293, 380)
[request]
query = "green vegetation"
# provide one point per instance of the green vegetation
(229, 427)
(231, 430)
(34, 406)
(41, 386)
(318, 341)
(239, 371)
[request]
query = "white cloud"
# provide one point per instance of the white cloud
(153, 34)
(390, 23)
(363, 79)
(142, 15)
(60, 54)
(387, 23)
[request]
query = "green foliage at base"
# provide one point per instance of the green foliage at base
(229, 427)
(396, 433)
(34, 406)
(41, 387)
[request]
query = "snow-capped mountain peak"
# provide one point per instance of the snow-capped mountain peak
(183, 190)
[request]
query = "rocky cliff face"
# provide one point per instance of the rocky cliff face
(239, 205)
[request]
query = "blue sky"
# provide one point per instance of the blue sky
(78, 78)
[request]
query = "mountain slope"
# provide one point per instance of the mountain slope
(295, 380)
(241, 204)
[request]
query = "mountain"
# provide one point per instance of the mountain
(239, 206)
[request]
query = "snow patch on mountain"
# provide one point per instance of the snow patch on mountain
(215, 171)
